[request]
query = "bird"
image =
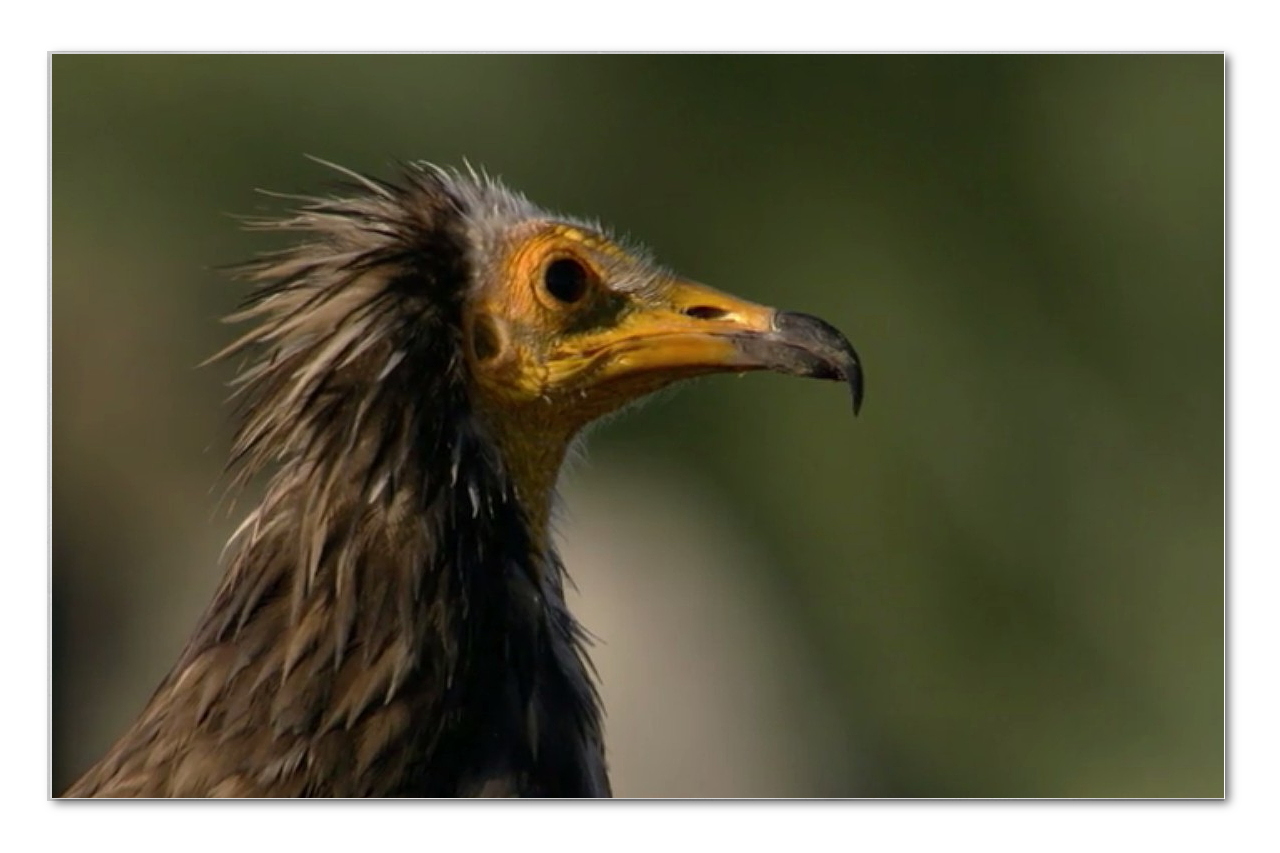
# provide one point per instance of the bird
(417, 365)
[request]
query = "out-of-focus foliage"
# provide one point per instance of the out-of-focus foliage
(1008, 573)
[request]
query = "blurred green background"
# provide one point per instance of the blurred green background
(1004, 579)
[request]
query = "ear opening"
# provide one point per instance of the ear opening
(487, 338)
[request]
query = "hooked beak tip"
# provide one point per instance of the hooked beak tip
(805, 345)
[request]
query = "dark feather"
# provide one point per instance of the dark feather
(386, 625)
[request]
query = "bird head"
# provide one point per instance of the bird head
(565, 317)
(448, 292)
(565, 323)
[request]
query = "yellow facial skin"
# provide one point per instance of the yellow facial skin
(564, 334)
(604, 346)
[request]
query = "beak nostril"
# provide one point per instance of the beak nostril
(706, 312)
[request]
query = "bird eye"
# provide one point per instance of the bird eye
(566, 280)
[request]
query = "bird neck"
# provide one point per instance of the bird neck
(413, 644)
(533, 445)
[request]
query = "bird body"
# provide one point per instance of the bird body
(392, 618)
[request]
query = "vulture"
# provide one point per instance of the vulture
(392, 619)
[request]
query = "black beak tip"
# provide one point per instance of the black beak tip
(829, 355)
(856, 387)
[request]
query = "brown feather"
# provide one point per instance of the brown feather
(361, 642)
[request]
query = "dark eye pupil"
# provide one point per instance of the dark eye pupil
(566, 280)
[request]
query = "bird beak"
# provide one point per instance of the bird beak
(697, 330)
